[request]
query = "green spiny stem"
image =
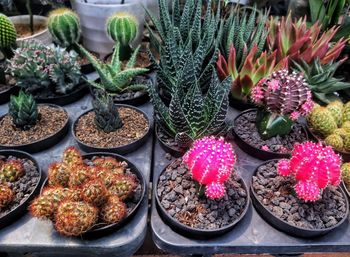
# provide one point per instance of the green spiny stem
(272, 124)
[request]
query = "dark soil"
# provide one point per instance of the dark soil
(169, 140)
(277, 195)
(135, 126)
(23, 30)
(51, 121)
(178, 195)
(23, 187)
(246, 129)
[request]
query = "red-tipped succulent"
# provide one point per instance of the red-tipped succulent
(293, 38)
(211, 162)
(313, 167)
(253, 70)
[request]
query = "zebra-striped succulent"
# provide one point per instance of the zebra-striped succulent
(64, 26)
(184, 35)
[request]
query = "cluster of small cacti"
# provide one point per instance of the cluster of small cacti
(10, 172)
(211, 162)
(313, 167)
(79, 192)
(332, 123)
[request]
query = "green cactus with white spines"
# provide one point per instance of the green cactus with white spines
(7, 35)
(322, 121)
(336, 109)
(64, 26)
(123, 28)
(335, 141)
(345, 173)
(346, 112)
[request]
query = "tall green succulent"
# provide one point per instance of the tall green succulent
(244, 29)
(114, 77)
(7, 35)
(321, 80)
(106, 113)
(23, 110)
(182, 35)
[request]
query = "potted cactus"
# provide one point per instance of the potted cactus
(331, 125)
(216, 198)
(110, 127)
(31, 127)
(7, 43)
(50, 73)
(294, 194)
(20, 177)
(272, 130)
(89, 194)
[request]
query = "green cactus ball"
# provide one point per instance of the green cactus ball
(7, 32)
(122, 28)
(64, 26)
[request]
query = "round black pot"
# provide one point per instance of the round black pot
(5, 95)
(285, 226)
(100, 229)
(240, 105)
(69, 98)
(174, 151)
(87, 68)
(345, 155)
(254, 151)
(44, 143)
(120, 149)
(21, 209)
(193, 232)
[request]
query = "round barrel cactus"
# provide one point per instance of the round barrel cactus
(64, 26)
(7, 35)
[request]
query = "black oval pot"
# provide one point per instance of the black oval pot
(100, 230)
(87, 68)
(240, 105)
(345, 155)
(69, 98)
(193, 232)
(174, 151)
(257, 152)
(21, 209)
(5, 95)
(120, 149)
(44, 143)
(285, 226)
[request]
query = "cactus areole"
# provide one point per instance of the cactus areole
(313, 167)
(211, 162)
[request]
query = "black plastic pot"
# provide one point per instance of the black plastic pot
(285, 226)
(44, 143)
(345, 155)
(100, 229)
(254, 151)
(193, 232)
(240, 105)
(87, 68)
(69, 98)
(21, 209)
(5, 95)
(174, 151)
(120, 149)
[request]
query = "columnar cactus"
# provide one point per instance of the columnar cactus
(75, 218)
(11, 171)
(122, 186)
(58, 174)
(313, 167)
(6, 196)
(211, 162)
(64, 26)
(322, 121)
(7, 35)
(94, 192)
(23, 110)
(123, 27)
(113, 211)
(284, 97)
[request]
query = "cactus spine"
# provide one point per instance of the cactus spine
(113, 211)
(322, 121)
(336, 109)
(335, 141)
(123, 28)
(6, 196)
(11, 171)
(64, 26)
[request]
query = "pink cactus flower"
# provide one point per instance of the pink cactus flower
(265, 148)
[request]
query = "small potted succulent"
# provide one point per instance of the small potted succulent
(7, 43)
(272, 130)
(90, 194)
(201, 194)
(20, 177)
(331, 125)
(110, 127)
(49, 73)
(301, 195)
(31, 127)
(64, 26)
